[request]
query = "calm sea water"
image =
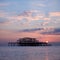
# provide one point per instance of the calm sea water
(30, 53)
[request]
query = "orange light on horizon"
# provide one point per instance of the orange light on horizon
(46, 41)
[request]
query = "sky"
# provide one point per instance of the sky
(38, 19)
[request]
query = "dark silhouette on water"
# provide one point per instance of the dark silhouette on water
(26, 41)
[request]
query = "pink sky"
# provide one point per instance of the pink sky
(14, 36)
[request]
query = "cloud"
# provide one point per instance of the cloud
(27, 16)
(3, 13)
(28, 20)
(3, 4)
(53, 31)
(46, 18)
(4, 17)
(56, 31)
(2, 20)
(31, 15)
(30, 30)
(42, 31)
(45, 23)
(54, 14)
(39, 4)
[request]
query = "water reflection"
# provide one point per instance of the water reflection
(46, 56)
(37, 53)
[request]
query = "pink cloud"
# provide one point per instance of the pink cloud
(54, 13)
(3, 4)
(42, 5)
(46, 18)
(26, 18)
(45, 23)
(26, 15)
(39, 5)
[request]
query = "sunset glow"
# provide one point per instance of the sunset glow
(46, 41)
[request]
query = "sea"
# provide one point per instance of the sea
(29, 53)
